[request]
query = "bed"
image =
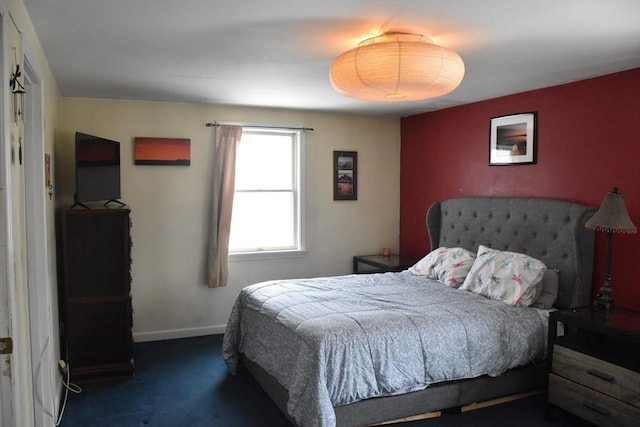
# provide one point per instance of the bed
(364, 349)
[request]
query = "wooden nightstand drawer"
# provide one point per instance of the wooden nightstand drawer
(590, 404)
(615, 381)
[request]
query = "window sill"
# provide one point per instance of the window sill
(252, 256)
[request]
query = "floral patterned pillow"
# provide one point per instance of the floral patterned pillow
(447, 265)
(511, 277)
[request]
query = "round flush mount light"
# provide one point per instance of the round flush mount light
(396, 66)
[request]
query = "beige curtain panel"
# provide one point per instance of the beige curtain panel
(227, 138)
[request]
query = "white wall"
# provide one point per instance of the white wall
(170, 203)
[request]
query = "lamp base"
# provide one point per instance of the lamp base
(604, 300)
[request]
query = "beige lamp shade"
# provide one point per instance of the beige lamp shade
(612, 215)
(396, 67)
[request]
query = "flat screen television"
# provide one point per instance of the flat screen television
(97, 170)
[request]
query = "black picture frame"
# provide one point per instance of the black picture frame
(345, 175)
(512, 139)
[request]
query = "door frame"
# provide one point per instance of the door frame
(39, 273)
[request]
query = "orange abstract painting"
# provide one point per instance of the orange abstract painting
(162, 151)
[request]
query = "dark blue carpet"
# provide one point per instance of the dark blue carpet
(177, 383)
(185, 383)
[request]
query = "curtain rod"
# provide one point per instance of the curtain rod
(216, 124)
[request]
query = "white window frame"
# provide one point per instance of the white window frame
(298, 194)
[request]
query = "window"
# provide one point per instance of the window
(267, 205)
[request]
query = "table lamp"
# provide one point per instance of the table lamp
(611, 217)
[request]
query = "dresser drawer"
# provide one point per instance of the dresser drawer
(620, 383)
(590, 404)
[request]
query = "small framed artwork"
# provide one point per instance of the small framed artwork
(47, 170)
(345, 175)
(512, 139)
(162, 151)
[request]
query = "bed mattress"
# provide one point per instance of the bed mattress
(336, 340)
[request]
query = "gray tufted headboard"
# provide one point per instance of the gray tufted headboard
(550, 230)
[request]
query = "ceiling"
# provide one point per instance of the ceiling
(277, 53)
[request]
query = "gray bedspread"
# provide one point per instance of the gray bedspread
(335, 340)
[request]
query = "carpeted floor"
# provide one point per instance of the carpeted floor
(185, 383)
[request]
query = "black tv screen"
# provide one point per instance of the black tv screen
(97, 169)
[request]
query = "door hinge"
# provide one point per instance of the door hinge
(6, 345)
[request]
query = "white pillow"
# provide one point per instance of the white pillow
(447, 265)
(510, 277)
(549, 291)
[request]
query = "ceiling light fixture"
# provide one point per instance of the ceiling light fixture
(396, 66)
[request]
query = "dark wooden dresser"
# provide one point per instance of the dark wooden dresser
(595, 365)
(95, 294)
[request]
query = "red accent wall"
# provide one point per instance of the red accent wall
(588, 141)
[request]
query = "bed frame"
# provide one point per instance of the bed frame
(548, 229)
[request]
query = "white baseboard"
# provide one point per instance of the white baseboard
(173, 334)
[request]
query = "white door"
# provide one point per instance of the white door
(26, 389)
(18, 299)
(8, 393)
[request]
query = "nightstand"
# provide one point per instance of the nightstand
(594, 369)
(381, 263)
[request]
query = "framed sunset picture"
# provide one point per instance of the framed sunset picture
(512, 139)
(162, 151)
